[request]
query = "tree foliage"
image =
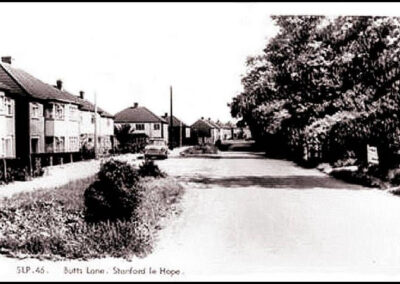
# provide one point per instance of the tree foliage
(324, 85)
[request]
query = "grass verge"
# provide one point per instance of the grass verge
(50, 224)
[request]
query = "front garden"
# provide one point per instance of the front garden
(116, 213)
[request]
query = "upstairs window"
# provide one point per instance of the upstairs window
(35, 111)
(49, 111)
(157, 126)
(59, 111)
(139, 126)
(9, 106)
(2, 101)
(73, 112)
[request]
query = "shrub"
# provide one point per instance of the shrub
(149, 169)
(114, 194)
(51, 223)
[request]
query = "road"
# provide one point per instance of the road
(251, 215)
(245, 217)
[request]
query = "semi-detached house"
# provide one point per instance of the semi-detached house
(7, 123)
(104, 124)
(48, 120)
(53, 115)
(143, 121)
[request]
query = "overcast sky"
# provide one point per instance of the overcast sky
(133, 52)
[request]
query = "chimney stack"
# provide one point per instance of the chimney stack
(135, 105)
(166, 115)
(59, 84)
(6, 59)
(82, 95)
(202, 118)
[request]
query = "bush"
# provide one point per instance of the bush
(149, 169)
(114, 194)
(51, 223)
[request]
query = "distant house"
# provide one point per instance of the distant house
(226, 130)
(180, 131)
(206, 131)
(143, 121)
(7, 123)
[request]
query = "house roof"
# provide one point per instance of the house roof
(215, 125)
(175, 121)
(6, 79)
(4, 87)
(88, 106)
(137, 114)
(35, 87)
(203, 122)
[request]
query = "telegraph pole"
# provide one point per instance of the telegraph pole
(95, 126)
(180, 134)
(170, 121)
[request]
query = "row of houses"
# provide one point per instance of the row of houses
(208, 131)
(40, 119)
(145, 123)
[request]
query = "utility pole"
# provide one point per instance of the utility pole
(170, 122)
(95, 126)
(180, 134)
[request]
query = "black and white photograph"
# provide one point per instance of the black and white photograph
(200, 141)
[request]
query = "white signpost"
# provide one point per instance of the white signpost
(372, 155)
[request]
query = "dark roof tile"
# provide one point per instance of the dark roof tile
(35, 87)
(137, 114)
(175, 121)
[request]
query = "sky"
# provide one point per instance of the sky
(134, 52)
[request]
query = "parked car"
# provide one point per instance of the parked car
(157, 148)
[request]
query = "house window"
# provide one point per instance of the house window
(8, 149)
(2, 101)
(35, 145)
(108, 122)
(35, 111)
(93, 118)
(157, 126)
(73, 112)
(9, 106)
(73, 143)
(139, 126)
(2, 146)
(49, 144)
(59, 109)
(60, 144)
(49, 111)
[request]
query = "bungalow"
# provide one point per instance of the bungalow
(142, 121)
(206, 131)
(180, 131)
(7, 123)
